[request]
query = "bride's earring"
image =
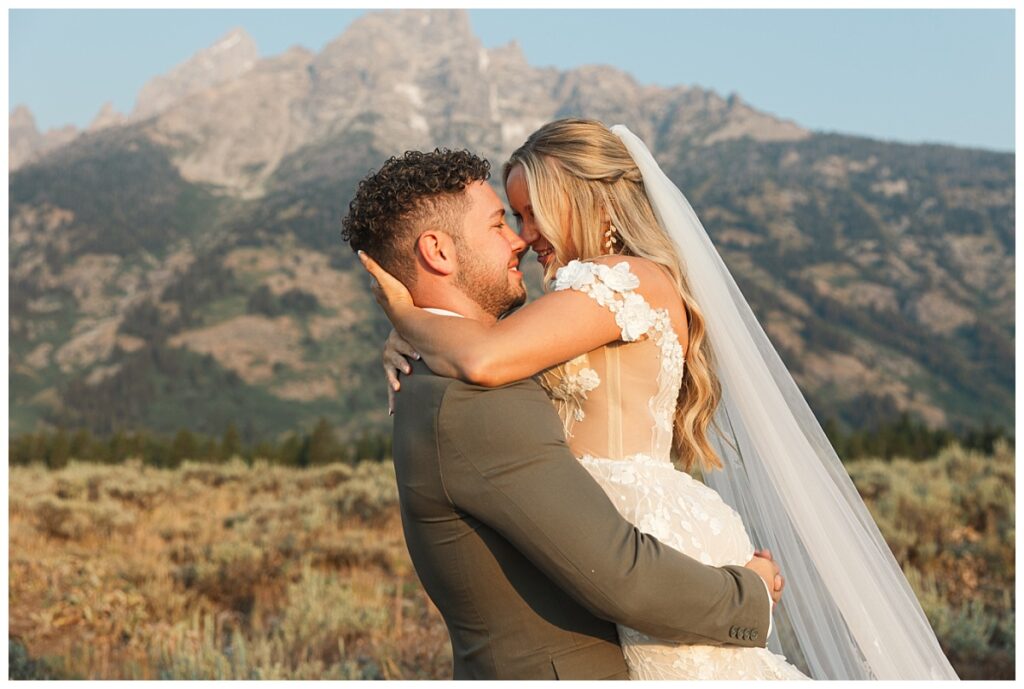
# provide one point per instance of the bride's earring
(610, 239)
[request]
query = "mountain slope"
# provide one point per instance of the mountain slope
(185, 268)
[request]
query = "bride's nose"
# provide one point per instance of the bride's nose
(528, 233)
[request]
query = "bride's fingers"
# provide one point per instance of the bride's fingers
(395, 366)
(404, 348)
(375, 271)
(394, 361)
(392, 375)
(372, 267)
(382, 279)
(391, 401)
(391, 294)
(396, 343)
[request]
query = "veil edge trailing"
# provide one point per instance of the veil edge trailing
(848, 611)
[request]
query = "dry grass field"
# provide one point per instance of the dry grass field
(233, 571)
(216, 572)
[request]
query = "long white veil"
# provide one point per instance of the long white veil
(847, 611)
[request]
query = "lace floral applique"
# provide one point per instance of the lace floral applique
(670, 376)
(567, 385)
(633, 314)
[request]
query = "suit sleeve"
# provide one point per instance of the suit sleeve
(505, 461)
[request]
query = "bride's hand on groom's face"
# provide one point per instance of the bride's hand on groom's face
(388, 290)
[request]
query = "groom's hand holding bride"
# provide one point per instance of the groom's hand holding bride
(763, 564)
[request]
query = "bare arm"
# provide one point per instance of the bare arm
(555, 328)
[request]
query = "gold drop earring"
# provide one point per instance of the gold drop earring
(610, 239)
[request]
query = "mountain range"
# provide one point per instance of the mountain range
(181, 265)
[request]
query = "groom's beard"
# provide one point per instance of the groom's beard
(490, 288)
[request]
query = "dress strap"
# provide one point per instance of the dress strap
(613, 287)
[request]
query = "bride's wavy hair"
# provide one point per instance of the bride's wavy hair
(580, 176)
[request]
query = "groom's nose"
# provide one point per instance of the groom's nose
(519, 246)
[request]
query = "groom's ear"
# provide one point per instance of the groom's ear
(435, 251)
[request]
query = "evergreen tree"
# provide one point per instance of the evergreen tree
(323, 449)
(184, 446)
(118, 448)
(208, 451)
(264, 450)
(138, 442)
(289, 452)
(20, 449)
(82, 444)
(59, 451)
(230, 444)
(38, 447)
(302, 456)
(157, 452)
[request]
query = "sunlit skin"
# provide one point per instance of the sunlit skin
(519, 198)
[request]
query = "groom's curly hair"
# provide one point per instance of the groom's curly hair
(407, 195)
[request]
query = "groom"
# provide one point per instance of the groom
(525, 556)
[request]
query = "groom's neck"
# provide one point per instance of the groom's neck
(452, 300)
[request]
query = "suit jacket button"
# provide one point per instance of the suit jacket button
(753, 635)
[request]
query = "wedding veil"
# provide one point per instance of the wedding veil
(847, 611)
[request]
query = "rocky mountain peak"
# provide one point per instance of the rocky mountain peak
(22, 118)
(22, 137)
(231, 56)
(106, 117)
(509, 54)
(381, 46)
(407, 30)
(27, 143)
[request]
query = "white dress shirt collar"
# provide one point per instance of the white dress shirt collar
(443, 312)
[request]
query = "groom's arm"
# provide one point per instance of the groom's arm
(506, 463)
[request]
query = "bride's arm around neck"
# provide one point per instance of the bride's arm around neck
(550, 330)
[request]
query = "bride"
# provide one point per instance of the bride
(649, 352)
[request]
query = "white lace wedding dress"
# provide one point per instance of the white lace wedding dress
(618, 403)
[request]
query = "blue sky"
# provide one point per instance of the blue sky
(908, 75)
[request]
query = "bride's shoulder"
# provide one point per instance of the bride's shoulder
(650, 277)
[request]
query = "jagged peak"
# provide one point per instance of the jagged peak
(509, 53)
(235, 37)
(228, 57)
(21, 116)
(108, 116)
(453, 20)
(405, 28)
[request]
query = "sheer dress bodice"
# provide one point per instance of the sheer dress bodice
(618, 401)
(618, 404)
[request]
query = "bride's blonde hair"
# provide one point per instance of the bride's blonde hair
(580, 176)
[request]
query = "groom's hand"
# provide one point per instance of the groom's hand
(780, 581)
(768, 571)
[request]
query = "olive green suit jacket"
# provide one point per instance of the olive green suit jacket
(525, 556)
